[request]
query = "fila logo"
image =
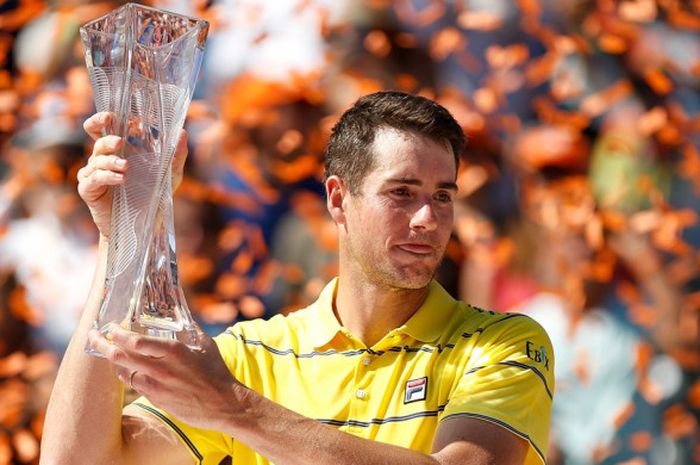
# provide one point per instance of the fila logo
(416, 389)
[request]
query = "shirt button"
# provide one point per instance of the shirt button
(360, 394)
(366, 361)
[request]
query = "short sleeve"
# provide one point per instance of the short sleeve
(509, 381)
(206, 447)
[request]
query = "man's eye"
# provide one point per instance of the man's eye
(443, 197)
(401, 192)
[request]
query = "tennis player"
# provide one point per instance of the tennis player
(384, 368)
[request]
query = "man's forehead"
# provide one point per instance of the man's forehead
(386, 138)
(393, 146)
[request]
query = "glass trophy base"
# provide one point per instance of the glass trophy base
(188, 336)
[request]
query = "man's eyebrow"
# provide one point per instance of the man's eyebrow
(417, 182)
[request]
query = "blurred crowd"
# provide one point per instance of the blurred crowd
(578, 203)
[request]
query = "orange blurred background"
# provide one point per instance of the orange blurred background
(579, 188)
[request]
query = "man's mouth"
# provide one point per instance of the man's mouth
(420, 249)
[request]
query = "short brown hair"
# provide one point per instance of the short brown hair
(349, 154)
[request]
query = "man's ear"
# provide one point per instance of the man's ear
(335, 198)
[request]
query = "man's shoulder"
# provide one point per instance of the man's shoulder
(274, 327)
(472, 319)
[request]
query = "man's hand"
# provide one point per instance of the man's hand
(105, 169)
(191, 385)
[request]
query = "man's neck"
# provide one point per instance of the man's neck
(371, 310)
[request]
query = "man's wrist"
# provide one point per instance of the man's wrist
(256, 420)
(245, 403)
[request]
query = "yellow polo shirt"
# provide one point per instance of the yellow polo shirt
(449, 359)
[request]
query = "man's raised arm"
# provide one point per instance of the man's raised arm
(84, 422)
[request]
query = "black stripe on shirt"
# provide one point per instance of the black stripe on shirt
(500, 423)
(468, 335)
(349, 353)
(512, 363)
(508, 316)
(381, 421)
(174, 427)
(352, 353)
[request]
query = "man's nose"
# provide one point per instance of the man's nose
(424, 218)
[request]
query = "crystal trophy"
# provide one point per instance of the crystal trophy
(143, 64)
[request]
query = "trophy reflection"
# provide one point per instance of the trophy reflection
(143, 64)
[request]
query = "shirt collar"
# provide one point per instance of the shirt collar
(426, 325)
(429, 321)
(325, 324)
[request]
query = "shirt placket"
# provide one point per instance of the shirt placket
(366, 396)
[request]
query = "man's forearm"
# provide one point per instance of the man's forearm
(287, 438)
(83, 419)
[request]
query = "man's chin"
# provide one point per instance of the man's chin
(414, 279)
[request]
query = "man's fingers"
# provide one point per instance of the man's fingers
(108, 163)
(93, 185)
(107, 145)
(132, 371)
(207, 343)
(125, 350)
(102, 162)
(110, 351)
(178, 165)
(143, 345)
(95, 124)
(135, 379)
(180, 150)
(123, 375)
(101, 169)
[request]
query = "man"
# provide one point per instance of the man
(384, 368)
